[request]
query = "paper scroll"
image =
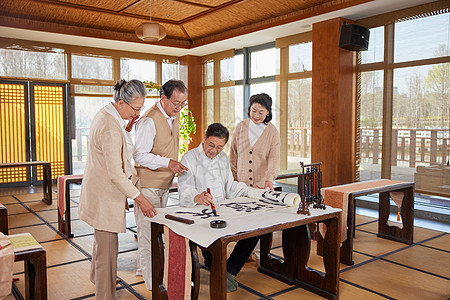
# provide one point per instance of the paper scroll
(290, 199)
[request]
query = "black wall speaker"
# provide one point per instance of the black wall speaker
(354, 37)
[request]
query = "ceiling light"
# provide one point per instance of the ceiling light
(151, 31)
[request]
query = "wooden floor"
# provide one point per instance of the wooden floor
(383, 269)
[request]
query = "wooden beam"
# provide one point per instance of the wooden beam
(191, 74)
(333, 104)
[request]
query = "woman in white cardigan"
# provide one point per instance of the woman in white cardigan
(255, 146)
(106, 185)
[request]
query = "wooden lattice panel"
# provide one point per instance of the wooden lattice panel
(12, 131)
(48, 112)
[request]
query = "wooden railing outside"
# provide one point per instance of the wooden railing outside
(80, 145)
(299, 141)
(431, 146)
(411, 146)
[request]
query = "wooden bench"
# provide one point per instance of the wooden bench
(403, 235)
(64, 218)
(47, 176)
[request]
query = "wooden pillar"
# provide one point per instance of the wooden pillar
(333, 139)
(191, 72)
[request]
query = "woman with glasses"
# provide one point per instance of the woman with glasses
(156, 157)
(106, 185)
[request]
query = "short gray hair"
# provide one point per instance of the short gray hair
(128, 90)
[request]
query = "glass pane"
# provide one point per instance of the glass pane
(169, 71)
(29, 64)
(300, 57)
(85, 110)
(209, 101)
(264, 63)
(273, 90)
(144, 70)
(231, 108)
(91, 67)
(227, 69)
(239, 67)
(421, 125)
(299, 122)
(93, 89)
(376, 47)
(371, 118)
(209, 73)
(422, 38)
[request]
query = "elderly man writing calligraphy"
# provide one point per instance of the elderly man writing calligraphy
(209, 168)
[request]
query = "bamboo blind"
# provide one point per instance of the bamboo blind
(12, 132)
(48, 109)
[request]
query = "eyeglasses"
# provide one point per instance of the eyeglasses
(135, 109)
(178, 105)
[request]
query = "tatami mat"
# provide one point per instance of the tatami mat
(383, 269)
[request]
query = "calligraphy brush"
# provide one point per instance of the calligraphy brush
(212, 204)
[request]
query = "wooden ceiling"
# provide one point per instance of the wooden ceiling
(188, 23)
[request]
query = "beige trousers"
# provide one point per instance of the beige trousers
(104, 264)
(158, 198)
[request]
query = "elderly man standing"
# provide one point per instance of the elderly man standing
(209, 168)
(156, 158)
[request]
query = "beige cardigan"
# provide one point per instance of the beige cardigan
(257, 164)
(105, 186)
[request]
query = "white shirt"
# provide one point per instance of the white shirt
(204, 173)
(255, 131)
(145, 136)
(109, 108)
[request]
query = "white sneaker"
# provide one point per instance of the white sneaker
(138, 272)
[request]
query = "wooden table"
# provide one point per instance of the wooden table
(35, 262)
(296, 248)
(47, 176)
(403, 235)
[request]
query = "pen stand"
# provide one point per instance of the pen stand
(311, 184)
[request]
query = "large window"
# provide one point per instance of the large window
(46, 64)
(411, 92)
(92, 67)
(299, 99)
(371, 121)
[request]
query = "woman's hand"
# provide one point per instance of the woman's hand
(204, 199)
(147, 208)
(269, 184)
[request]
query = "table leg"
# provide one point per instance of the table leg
(47, 183)
(67, 222)
(405, 234)
(195, 271)
(36, 277)
(281, 270)
(346, 256)
(296, 251)
(326, 285)
(158, 289)
(217, 281)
